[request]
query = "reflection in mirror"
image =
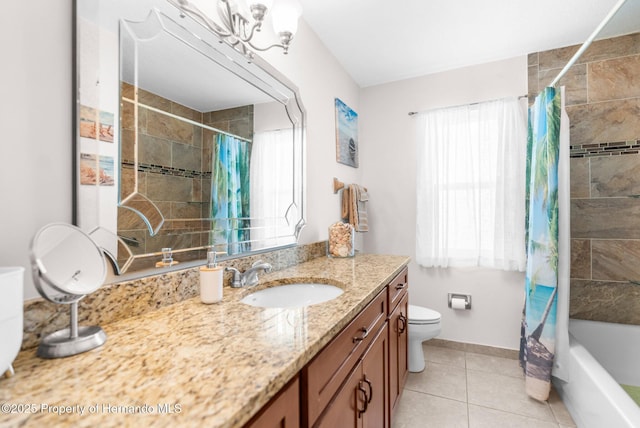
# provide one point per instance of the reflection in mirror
(210, 146)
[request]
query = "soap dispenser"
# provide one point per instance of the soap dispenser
(211, 280)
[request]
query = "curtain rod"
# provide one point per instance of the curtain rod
(184, 119)
(413, 113)
(587, 43)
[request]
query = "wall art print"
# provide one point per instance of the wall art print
(96, 170)
(346, 134)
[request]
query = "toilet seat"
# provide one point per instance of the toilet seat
(421, 316)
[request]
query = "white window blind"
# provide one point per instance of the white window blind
(471, 186)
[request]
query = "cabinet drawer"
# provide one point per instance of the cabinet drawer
(398, 288)
(326, 372)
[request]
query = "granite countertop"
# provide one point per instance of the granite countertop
(190, 363)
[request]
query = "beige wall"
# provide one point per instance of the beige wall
(389, 164)
(603, 103)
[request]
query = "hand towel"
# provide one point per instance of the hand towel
(358, 197)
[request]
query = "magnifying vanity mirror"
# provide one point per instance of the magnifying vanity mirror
(183, 144)
(67, 265)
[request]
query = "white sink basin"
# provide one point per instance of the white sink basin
(292, 295)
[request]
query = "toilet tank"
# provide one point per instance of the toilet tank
(11, 303)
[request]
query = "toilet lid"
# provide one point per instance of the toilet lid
(420, 315)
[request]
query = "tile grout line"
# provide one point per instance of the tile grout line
(466, 389)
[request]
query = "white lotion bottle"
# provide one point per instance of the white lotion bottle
(211, 280)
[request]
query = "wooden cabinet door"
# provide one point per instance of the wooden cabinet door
(345, 409)
(283, 411)
(324, 375)
(398, 351)
(362, 401)
(375, 366)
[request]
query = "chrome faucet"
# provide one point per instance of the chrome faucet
(250, 277)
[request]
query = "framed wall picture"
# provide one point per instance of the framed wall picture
(346, 134)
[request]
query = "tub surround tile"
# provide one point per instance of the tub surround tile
(557, 58)
(617, 302)
(615, 47)
(615, 260)
(614, 176)
(221, 363)
(574, 81)
(605, 218)
(614, 79)
(598, 51)
(604, 121)
(581, 258)
(532, 82)
(580, 178)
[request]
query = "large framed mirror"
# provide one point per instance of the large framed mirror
(183, 143)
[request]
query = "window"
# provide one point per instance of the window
(470, 186)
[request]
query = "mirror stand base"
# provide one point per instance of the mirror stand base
(61, 343)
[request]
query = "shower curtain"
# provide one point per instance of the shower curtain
(544, 330)
(230, 193)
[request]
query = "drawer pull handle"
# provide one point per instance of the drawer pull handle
(368, 382)
(402, 323)
(366, 400)
(365, 333)
(401, 286)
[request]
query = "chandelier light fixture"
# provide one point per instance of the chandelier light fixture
(238, 21)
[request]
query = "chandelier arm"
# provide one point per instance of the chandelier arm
(275, 45)
(247, 38)
(193, 10)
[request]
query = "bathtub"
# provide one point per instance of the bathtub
(602, 355)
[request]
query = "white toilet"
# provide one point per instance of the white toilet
(424, 324)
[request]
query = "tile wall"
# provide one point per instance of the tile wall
(603, 104)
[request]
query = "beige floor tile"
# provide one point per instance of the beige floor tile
(482, 417)
(498, 365)
(504, 393)
(437, 354)
(418, 410)
(559, 410)
(442, 380)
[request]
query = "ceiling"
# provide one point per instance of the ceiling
(379, 41)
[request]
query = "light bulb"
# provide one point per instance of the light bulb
(285, 16)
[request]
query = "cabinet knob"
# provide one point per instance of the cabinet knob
(365, 333)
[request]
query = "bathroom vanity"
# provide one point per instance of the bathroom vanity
(230, 364)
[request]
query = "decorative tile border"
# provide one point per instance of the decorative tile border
(166, 170)
(605, 149)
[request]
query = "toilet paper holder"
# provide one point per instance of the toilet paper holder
(465, 297)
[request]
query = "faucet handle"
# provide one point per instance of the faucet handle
(237, 276)
(266, 266)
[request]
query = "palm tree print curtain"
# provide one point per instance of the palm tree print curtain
(537, 344)
(230, 193)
